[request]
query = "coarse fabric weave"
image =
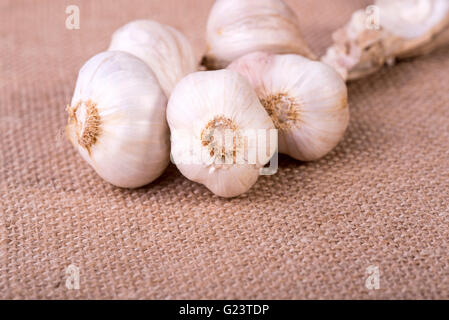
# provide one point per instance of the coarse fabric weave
(313, 230)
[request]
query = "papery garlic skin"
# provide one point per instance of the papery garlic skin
(117, 120)
(306, 99)
(407, 28)
(238, 27)
(216, 100)
(166, 50)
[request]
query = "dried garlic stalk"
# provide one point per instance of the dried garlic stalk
(407, 28)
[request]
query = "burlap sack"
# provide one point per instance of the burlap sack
(379, 202)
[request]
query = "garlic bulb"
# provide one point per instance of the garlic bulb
(307, 101)
(167, 51)
(238, 27)
(407, 28)
(117, 119)
(215, 120)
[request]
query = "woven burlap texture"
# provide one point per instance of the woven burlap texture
(381, 198)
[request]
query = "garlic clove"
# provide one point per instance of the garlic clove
(307, 101)
(203, 108)
(117, 119)
(166, 50)
(407, 28)
(238, 27)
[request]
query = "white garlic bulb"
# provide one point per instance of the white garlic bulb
(117, 119)
(306, 99)
(238, 27)
(411, 19)
(215, 120)
(166, 50)
(406, 28)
